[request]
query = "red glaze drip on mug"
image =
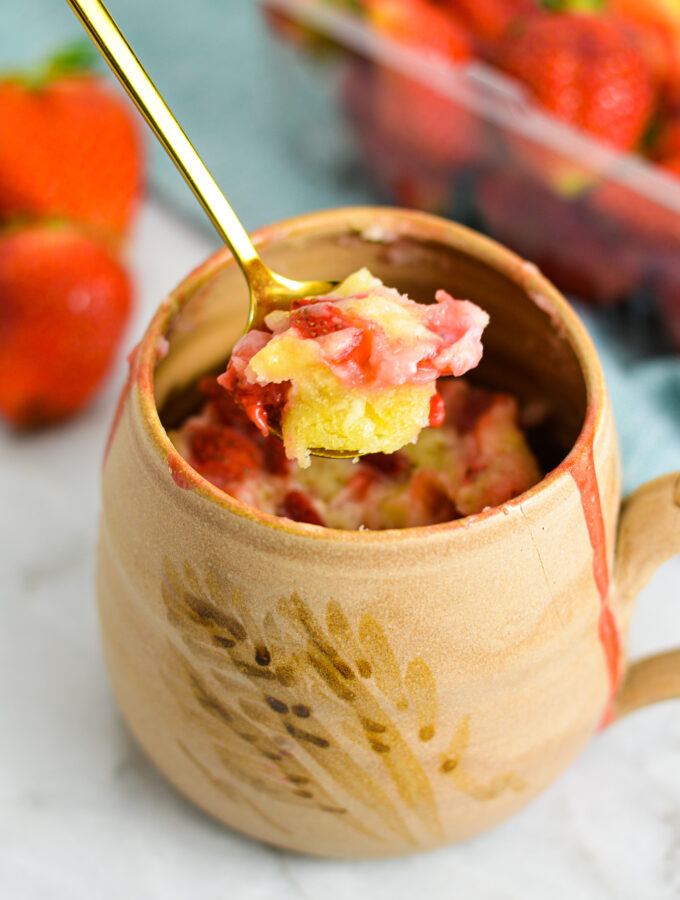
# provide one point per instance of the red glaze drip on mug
(132, 361)
(178, 471)
(583, 473)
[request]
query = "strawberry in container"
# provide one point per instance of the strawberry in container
(667, 298)
(665, 150)
(554, 177)
(488, 21)
(566, 239)
(590, 72)
(413, 137)
(657, 24)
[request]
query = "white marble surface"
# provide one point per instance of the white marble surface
(84, 815)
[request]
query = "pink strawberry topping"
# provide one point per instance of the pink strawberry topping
(445, 339)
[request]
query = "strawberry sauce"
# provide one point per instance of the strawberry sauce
(437, 410)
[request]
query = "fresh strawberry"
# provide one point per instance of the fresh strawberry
(395, 167)
(421, 26)
(587, 70)
(672, 165)
(666, 148)
(667, 296)
(69, 148)
(657, 23)
(64, 302)
(571, 245)
(653, 226)
(488, 20)
(414, 117)
(642, 223)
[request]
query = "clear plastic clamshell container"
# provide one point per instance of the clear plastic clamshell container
(467, 142)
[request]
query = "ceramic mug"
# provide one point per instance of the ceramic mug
(373, 693)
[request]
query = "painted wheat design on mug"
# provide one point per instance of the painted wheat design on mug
(255, 686)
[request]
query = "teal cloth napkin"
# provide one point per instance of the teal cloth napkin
(212, 61)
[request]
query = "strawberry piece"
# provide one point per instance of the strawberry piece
(430, 502)
(221, 454)
(275, 459)
(318, 319)
(299, 302)
(298, 507)
(361, 483)
(474, 404)
(587, 70)
(64, 304)
(69, 148)
(392, 465)
(210, 443)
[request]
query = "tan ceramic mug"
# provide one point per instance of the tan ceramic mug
(372, 693)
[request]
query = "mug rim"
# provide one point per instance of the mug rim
(416, 224)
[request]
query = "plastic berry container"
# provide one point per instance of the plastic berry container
(467, 142)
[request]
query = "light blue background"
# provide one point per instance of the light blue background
(212, 61)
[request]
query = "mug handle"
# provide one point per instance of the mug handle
(648, 535)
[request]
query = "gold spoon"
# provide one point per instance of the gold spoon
(268, 290)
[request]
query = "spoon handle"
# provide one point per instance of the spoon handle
(107, 36)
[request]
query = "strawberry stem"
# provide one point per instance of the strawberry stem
(74, 58)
